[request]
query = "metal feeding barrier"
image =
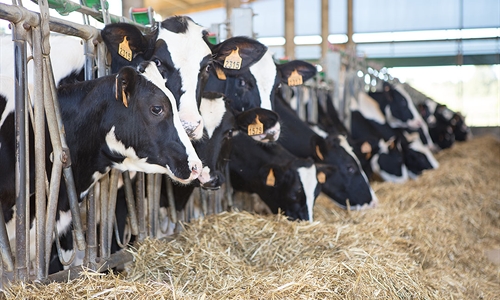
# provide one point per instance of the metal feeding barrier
(93, 218)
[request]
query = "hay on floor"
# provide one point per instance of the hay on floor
(431, 238)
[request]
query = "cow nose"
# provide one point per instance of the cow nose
(196, 168)
(214, 183)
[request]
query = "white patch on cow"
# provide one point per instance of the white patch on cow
(61, 46)
(368, 107)
(384, 148)
(309, 182)
(319, 131)
(270, 135)
(347, 147)
(152, 74)
(204, 175)
(212, 111)
(133, 163)
(64, 222)
(264, 71)
(432, 105)
(187, 51)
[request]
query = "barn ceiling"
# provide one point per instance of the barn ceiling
(178, 7)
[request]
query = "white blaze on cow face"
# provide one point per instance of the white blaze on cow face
(212, 111)
(152, 74)
(264, 71)
(417, 121)
(187, 50)
(309, 183)
(345, 144)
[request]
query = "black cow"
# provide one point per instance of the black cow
(127, 121)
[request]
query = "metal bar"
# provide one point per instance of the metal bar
(22, 198)
(113, 189)
(289, 28)
(228, 190)
(102, 69)
(156, 205)
(171, 200)
(104, 249)
(129, 197)
(89, 52)
(6, 252)
(91, 251)
(39, 131)
(141, 211)
(150, 200)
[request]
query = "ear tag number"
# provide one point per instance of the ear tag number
(124, 49)
(256, 127)
(233, 60)
(270, 180)
(295, 78)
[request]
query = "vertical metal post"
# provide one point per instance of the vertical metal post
(104, 253)
(150, 180)
(289, 29)
(91, 251)
(111, 210)
(324, 33)
(141, 212)
(171, 201)
(22, 161)
(39, 131)
(129, 197)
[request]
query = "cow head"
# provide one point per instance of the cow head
(417, 156)
(146, 133)
(221, 123)
(388, 162)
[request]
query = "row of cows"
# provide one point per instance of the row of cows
(177, 105)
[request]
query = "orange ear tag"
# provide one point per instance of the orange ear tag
(270, 180)
(124, 98)
(124, 49)
(321, 177)
(295, 78)
(366, 149)
(256, 127)
(233, 60)
(318, 153)
(220, 73)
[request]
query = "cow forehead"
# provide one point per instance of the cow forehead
(309, 182)
(264, 71)
(188, 48)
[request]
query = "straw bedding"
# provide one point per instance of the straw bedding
(437, 237)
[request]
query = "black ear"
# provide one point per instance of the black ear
(302, 68)
(125, 42)
(253, 116)
(125, 84)
(243, 49)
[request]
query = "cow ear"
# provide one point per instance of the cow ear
(238, 53)
(319, 146)
(256, 120)
(124, 84)
(293, 70)
(125, 41)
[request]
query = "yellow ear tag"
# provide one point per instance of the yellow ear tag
(220, 73)
(318, 153)
(124, 49)
(366, 149)
(124, 99)
(256, 127)
(270, 180)
(321, 177)
(233, 60)
(295, 78)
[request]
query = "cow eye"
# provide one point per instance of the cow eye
(157, 62)
(156, 110)
(207, 68)
(242, 82)
(230, 133)
(351, 169)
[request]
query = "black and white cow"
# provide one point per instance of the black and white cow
(283, 181)
(127, 121)
(183, 54)
(347, 182)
